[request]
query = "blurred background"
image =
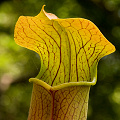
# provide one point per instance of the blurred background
(18, 64)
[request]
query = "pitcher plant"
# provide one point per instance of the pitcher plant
(69, 50)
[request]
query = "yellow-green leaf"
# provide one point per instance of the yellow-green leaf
(69, 48)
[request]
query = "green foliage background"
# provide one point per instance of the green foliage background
(18, 64)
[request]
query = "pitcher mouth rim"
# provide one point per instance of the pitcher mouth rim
(63, 85)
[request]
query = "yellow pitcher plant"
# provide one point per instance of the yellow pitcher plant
(69, 50)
